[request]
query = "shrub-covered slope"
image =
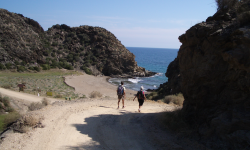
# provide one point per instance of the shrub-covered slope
(25, 45)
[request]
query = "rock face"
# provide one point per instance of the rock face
(212, 70)
(24, 44)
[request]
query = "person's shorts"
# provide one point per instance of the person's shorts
(120, 96)
(141, 101)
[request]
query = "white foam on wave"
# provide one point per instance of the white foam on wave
(136, 80)
(157, 74)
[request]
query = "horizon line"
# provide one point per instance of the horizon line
(152, 47)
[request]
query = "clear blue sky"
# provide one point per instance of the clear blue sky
(136, 23)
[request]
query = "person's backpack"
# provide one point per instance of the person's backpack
(140, 95)
(120, 90)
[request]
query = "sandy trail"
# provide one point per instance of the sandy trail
(96, 123)
(23, 96)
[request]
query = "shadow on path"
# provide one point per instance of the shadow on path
(127, 131)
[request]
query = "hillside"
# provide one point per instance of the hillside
(24, 45)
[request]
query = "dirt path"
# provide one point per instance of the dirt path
(95, 124)
(23, 96)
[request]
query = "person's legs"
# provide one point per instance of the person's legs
(119, 99)
(123, 106)
(118, 103)
(140, 105)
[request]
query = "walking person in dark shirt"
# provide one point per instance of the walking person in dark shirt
(141, 97)
(121, 94)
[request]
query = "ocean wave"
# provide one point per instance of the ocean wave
(136, 80)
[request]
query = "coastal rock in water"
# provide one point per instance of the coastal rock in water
(212, 70)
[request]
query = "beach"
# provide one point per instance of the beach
(85, 84)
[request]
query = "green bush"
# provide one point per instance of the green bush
(8, 65)
(8, 119)
(45, 66)
(86, 70)
(20, 68)
(38, 69)
(2, 67)
(53, 54)
(17, 63)
(54, 44)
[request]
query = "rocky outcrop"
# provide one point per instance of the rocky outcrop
(212, 70)
(25, 45)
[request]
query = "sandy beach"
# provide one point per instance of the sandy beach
(85, 84)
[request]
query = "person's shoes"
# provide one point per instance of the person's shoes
(118, 107)
(139, 110)
(123, 107)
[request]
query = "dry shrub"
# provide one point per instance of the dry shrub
(45, 102)
(35, 106)
(175, 121)
(58, 96)
(95, 94)
(174, 99)
(26, 122)
(30, 120)
(153, 95)
(6, 86)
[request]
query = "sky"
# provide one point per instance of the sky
(136, 23)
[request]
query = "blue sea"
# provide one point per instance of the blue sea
(152, 59)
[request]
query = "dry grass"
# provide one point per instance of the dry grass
(174, 99)
(6, 86)
(40, 82)
(26, 122)
(30, 120)
(45, 102)
(58, 96)
(175, 122)
(35, 106)
(95, 94)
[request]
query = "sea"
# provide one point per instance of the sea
(152, 59)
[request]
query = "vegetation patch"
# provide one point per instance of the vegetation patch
(42, 82)
(7, 114)
(177, 99)
(95, 94)
(175, 121)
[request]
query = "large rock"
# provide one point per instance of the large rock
(212, 70)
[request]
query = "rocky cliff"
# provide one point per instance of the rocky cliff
(212, 70)
(24, 45)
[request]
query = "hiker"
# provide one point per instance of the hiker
(121, 94)
(141, 97)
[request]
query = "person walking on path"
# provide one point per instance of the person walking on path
(121, 94)
(141, 97)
